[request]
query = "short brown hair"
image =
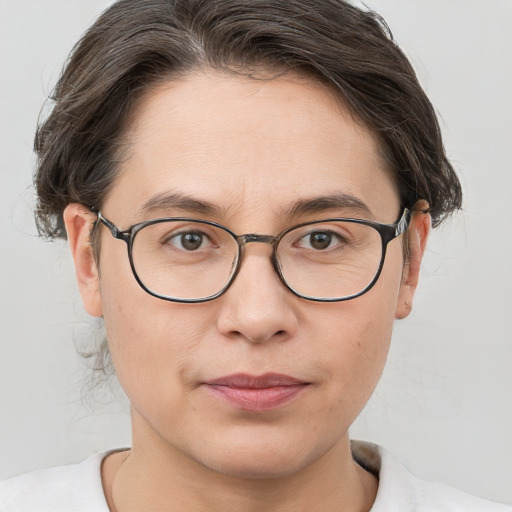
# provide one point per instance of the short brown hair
(135, 44)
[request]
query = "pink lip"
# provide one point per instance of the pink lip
(256, 393)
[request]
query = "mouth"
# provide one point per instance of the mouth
(256, 393)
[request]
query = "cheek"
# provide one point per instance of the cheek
(356, 337)
(150, 340)
(137, 324)
(355, 349)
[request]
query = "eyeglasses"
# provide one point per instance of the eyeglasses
(189, 260)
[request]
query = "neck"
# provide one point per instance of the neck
(156, 477)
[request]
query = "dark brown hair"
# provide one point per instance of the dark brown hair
(137, 43)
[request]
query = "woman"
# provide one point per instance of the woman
(247, 189)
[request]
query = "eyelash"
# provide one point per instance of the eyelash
(182, 233)
(334, 237)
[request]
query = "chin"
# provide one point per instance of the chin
(265, 459)
(259, 468)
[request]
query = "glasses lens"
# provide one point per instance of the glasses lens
(184, 259)
(330, 260)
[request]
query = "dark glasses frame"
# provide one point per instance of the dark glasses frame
(387, 232)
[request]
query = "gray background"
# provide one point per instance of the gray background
(444, 405)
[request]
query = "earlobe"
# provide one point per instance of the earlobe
(79, 222)
(419, 229)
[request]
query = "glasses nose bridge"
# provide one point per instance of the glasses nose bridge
(255, 238)
(248, 238)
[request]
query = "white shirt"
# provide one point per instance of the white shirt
(77, 488)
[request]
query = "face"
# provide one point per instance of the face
(251, 149)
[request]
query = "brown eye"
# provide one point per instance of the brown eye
(320, 240)
(191, 241)
(188, 240)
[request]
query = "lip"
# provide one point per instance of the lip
(256, 393)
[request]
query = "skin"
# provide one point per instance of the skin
(251, 148)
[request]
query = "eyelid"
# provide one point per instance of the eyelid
(330, 226)
(201, 224)
(199, 230)
(303, 237)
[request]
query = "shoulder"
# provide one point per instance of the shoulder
(73, 488)
(402, 492)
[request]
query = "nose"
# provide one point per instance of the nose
(258, 307)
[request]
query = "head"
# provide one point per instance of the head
(247, 110)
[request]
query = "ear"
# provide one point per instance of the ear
(417, 235)
(79, 222)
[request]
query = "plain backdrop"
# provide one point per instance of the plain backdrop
(444, 405)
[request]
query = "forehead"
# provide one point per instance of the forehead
(247, 144)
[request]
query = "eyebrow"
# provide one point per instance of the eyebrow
(330, 202)
(317, 204)
(167, 201)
